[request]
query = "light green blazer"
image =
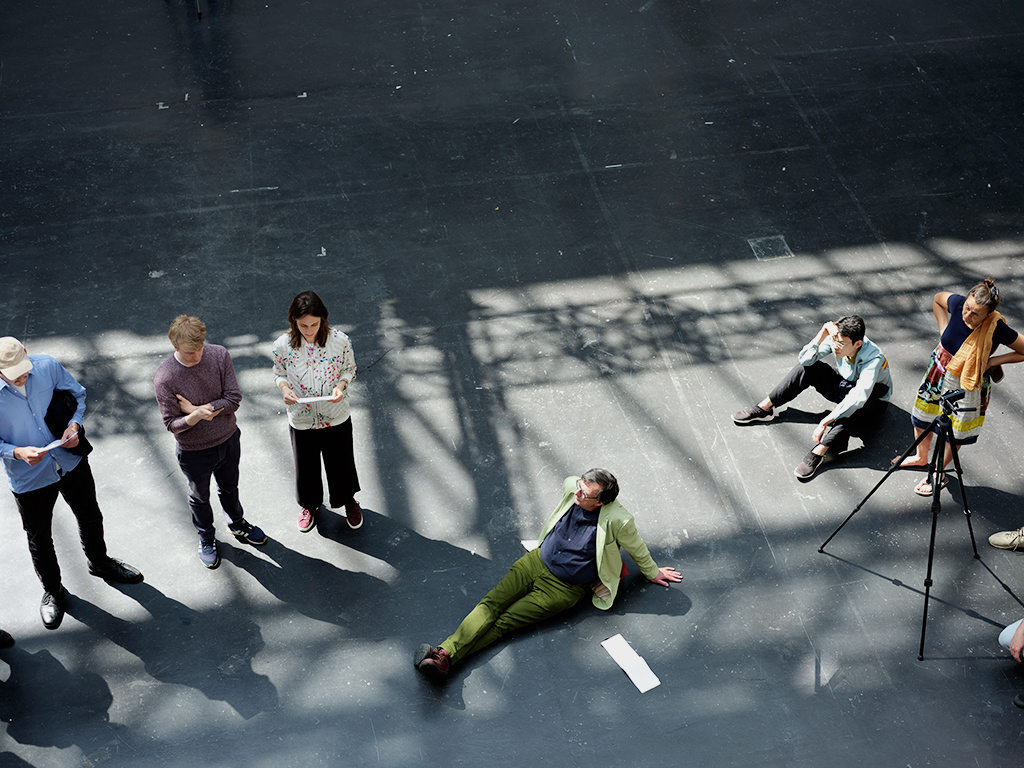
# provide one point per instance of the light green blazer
(615, 528)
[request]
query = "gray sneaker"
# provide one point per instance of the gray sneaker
(1008, 539)
(208, 553)
(752, 414)
(806, 469)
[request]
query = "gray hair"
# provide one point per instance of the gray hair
(604, 478)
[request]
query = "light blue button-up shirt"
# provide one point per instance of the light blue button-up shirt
(867, 368)
(22, 424)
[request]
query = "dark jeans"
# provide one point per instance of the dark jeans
(334, 446)
(36, 507)
(827, 381)
(221, 463)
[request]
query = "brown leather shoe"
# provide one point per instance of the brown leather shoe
(437, 665)
(423, 652)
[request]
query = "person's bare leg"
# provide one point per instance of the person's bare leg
(920, 459)
(924, 488)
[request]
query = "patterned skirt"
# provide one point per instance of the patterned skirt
(970, 411)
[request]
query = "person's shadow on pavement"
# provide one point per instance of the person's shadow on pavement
(210, 651)
(46, 705)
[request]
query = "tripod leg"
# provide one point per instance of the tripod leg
(928, 577)
(963, 489)
(892, 468)
(934, 474)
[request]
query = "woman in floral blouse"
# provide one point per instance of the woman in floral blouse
(313, 360)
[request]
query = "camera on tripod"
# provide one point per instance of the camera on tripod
(949, 400)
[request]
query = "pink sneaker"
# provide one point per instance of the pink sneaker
(306, 520)
(353, 514)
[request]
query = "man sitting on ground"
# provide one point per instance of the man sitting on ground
(861, 387)
(578, 555)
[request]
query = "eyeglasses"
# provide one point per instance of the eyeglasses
(583, 494)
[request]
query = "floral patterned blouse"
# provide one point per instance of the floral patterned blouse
(314, 371)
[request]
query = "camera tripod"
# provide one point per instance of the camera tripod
(935, 471)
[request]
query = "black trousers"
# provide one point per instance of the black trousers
(826, 380)
(332, 445)
(36, 507)
(219, 462)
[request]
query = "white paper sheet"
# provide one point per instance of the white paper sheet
(56, 443)
(320, 399)
(632, 663)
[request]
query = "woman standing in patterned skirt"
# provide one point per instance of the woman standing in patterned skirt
(970, 329)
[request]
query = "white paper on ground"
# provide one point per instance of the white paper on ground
(632, 663)
(320, 399)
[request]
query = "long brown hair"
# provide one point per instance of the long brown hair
(307, 303)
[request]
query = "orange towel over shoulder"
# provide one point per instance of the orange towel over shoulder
(971, 360)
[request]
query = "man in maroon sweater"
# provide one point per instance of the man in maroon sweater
(198, 395)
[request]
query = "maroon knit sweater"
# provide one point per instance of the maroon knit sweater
(212, 380)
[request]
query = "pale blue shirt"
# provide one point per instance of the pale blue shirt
(22, 424)
(868, 368)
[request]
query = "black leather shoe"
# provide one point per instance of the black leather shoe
(6, 641)
(117, 572)
(52, 609)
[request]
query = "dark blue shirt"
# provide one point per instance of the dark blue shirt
(957, 330)
(570, 550)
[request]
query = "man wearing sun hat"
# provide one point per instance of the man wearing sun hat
(38, 471)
